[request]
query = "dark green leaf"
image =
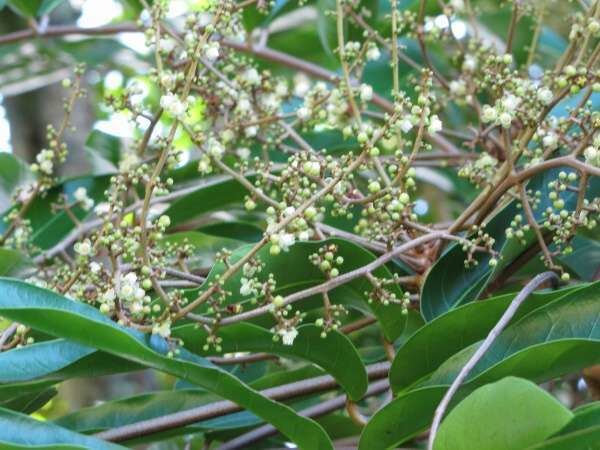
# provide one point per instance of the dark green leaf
(53, 314)
(451, 332)
(16, 428)
(103, 151)
(26, 8)
(552, 340)
(335, 353)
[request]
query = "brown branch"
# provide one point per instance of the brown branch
(182, 418)
(320, 409)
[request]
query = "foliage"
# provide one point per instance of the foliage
(322, 211)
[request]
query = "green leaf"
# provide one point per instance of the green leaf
(30, 402)
(13, 174)
(449, 284)
(50, 313)
(306, 275)
(447, 334)
(510, 414)
(11, 261)
(335, 353)
(242, 231)
(204, 246)
(211, 194)
(401, 419)
(552, 340)
(48, 6)
(586, 416)
(56, 360)
(25, 8)
(103, 151)
(588, 439)
(21, 430)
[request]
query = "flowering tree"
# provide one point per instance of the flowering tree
(327, 228)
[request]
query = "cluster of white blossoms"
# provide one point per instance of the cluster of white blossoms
(592, 153)
(503, 112)
(81, 196)
(44, 162)
(173, 105)
(84, 248)
(132, 294)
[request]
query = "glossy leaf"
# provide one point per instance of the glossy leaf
(552, 340)
(19, 429)
(213, 194)
(586, 439)
(451, 332)
(335, 353)
(510, 414)
(53, 314)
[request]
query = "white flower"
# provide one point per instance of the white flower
(81, 196)
(129, 161)
(406, 125)
(288, 336)
(366, 92)
(102, 209)
(591, 155)
(505, 119)
(286, 240)
(281, 89)
(215, 148)
(373, 53)
(247, 287)
(289, 211)
(243, 153)
(251, 76)
(458, 87)
(95, 267)
(550, 141)
(167, 45)
(301, 85)
(251, 131)
(164, 329)
(435, 124)
(109, 296)
(510, 102)
(25, 193)
(212, 51)
(46, 166)
(470, 63)
(244, 105)
(489, 114)
(172, 104)
(545, 96)
(84, 248)
(303, 113)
